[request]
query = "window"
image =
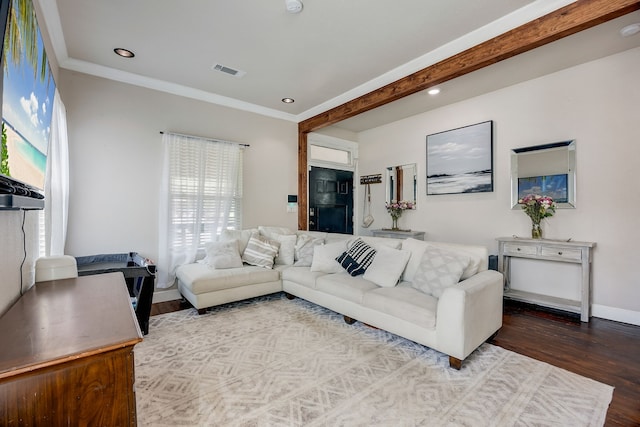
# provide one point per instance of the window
(201, 196)
(333, 155)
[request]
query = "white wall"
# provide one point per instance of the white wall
(115, 154)
(597, 105)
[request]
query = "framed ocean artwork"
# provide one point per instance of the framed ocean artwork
(461, 160)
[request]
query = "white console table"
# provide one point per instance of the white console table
(548, 250)
(398, 234)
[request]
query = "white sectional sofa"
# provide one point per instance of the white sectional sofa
(437, 294)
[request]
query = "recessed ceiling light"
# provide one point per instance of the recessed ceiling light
(288, 100)
(434, 91)
(293, 6)
(630, 30)
(125, 53)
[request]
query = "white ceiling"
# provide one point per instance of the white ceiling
(330, 53)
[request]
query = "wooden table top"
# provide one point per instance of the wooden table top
(61, 320)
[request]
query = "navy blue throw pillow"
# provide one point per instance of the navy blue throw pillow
(357, 258)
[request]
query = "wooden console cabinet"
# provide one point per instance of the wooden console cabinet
(67, 355)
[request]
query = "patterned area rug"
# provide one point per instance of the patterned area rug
(274, 362)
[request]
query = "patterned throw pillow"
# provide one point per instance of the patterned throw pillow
(438, 270)
(357, 258)
(260, 251)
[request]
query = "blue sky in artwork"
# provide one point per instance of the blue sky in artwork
(462, 150)
(27, 101)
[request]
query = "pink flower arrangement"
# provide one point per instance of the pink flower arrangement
(396, 207)
(537, 207)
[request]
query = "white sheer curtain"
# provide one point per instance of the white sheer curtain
(200, 195)
(56, 202)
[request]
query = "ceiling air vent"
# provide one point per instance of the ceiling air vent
(228, 70)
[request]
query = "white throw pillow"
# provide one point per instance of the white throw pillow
(387, 266)
(222, 255)
(287, 248)
(438, 270)
(324, 257)
(305, 244)
(260, 251)
(242, 236)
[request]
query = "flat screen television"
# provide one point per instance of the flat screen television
(28, 91)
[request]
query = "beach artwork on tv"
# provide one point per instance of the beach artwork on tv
(554, 186)
(27, 98)
(461, 160)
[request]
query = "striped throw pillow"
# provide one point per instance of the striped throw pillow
(357, 258)
(260, 251)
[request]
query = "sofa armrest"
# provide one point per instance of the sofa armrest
(469, 313)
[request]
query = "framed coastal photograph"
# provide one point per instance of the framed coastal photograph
(461, 160)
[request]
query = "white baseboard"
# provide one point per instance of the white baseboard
(165, 295)
(616, 314)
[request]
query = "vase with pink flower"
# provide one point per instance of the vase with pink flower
(537, 208)
(395, 209)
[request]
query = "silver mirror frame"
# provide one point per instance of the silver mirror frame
(561, 152)
(411, 170)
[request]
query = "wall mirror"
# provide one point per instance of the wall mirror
(402, 183)
(547, 170)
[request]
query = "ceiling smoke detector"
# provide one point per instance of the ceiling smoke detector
(293, 6)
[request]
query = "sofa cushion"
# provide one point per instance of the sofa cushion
(324, 257)
(201, 279)
(404, 302)
(387, 266)
(260, 251)
(303, 251)
(376, 242)
(269, 231)
(222, 255)
(439, 269)
(342, 285)
(302, 276)
(357, 258)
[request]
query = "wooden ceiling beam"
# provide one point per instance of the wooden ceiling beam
(561, 23)
(571, 19)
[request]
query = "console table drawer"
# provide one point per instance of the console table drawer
(566, 253)
(514, 249)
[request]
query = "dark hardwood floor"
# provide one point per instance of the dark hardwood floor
(603, 350)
